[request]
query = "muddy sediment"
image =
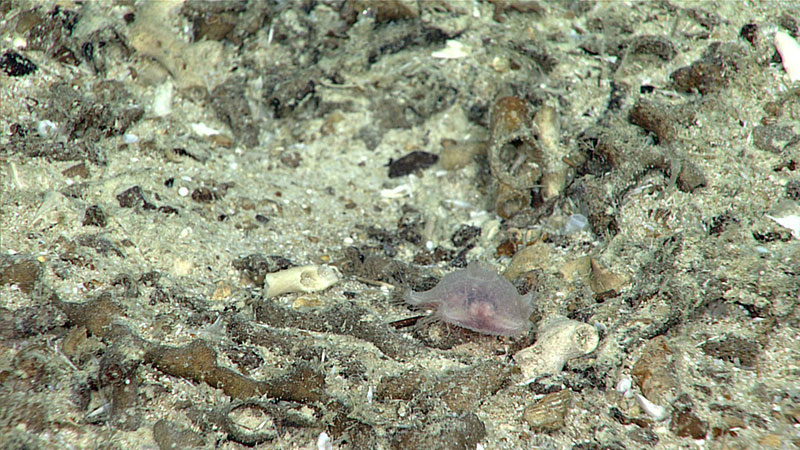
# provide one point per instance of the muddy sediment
(161, 160)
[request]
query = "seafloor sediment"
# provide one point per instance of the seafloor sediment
(630, 166)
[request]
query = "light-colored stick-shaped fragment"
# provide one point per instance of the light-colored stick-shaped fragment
(790, 54)
(555, 174)
(560, 339)
(309, 278)
(657, 412)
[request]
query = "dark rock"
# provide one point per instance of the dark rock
(410, 163)
(16, 65)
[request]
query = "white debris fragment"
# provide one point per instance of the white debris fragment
(311, 278)
(657, 412)
(452, 50)
(46, 128)
(791, 222)
(624, 386)
(457, 203)
(203, 130)
(560, 339)
(790, 54)
(404, 190)
(162, 99)
(324, 442)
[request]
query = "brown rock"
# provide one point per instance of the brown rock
(653, 371)
(686, 424)
(24, 271)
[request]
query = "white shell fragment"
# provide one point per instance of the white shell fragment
(790, 54)
(560, 339)
(311, 278)
(452, 50)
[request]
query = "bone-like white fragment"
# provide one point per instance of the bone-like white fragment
(560, 339)
(790, 54)
(657, 412)
(309, 278)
